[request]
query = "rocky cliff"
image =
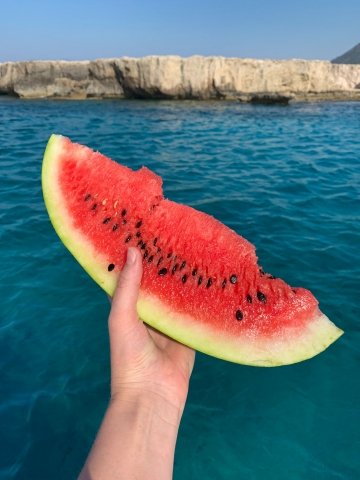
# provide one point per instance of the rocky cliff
(172, 77)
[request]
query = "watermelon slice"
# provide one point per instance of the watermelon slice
(201, 284)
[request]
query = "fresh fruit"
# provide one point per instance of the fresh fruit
(201, 284)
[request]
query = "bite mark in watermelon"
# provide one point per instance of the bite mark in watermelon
(201, 283)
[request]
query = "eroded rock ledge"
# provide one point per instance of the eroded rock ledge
(172, 77)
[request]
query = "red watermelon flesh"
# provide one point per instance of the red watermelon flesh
(201, 284)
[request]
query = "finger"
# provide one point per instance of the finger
(182, 355)
(123, 319)
(127, 290)
(160, 339)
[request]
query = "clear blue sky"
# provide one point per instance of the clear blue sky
(79, 29)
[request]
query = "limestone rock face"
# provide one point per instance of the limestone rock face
(172, 77)
(60, 79)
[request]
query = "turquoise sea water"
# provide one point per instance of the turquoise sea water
(288, 179)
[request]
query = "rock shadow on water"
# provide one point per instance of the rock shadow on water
(266, 99)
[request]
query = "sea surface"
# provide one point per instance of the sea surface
(285, 177)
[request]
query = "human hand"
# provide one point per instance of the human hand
(143, 360)
(149, 383)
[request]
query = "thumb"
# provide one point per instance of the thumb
(124, 323)
(127, 290)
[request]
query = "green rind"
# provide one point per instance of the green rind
(318, 335)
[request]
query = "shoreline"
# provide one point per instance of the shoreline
(179, 78)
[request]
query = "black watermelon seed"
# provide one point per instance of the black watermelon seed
(138, 234)
(159, 261)
(124, 222)
(239, 315)
(123, 213)
(111, 267)
(182, 265)
(261, 296)
(200, 280)
(271, 277)
(194, 272)
(139, 243)
(223, 283)
(209, 283)
(127, 239)
(169, 255)
(138, 224)
(146, 253)
(261, 271)
(184, 278)
(158, 249)
(87, 197)
(155, 242)
(163, 271)
(106, 220)
(143, 246)
(175, 267)
(249, 298)
(94, 206)
(293, 289)
(151, 258)
(115, 227)
(233, 279)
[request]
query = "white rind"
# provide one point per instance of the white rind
(290, 347)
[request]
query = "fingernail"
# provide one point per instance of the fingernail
(131, 256)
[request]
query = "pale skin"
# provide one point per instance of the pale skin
(149, 384)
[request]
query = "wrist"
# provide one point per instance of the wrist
(147, 403)
(137, 438)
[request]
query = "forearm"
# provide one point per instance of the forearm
(136, 440)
